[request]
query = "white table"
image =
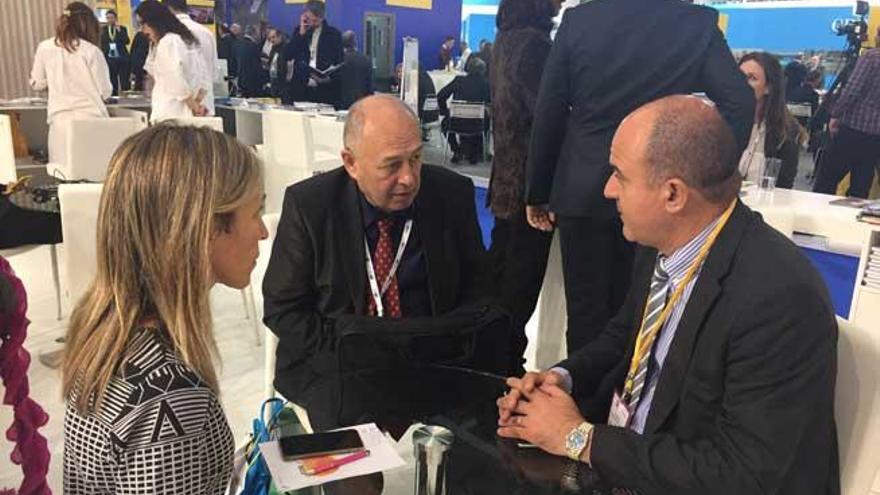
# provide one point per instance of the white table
(248, 118)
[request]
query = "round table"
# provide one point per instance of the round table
(460, 400)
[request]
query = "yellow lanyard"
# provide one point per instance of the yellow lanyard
(112, 31)
(646, 337)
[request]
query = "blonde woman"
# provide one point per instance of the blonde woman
(180, 211)
(72, 67)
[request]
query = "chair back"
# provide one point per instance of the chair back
(79, 225)
(430, 109)
(857, 408)
(467, 118)
(91, 144)
(287, 153)
(327, 133)
(7, 152)
(142, 117)
(215, 123)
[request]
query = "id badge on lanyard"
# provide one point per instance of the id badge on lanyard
(620, 414)
(375, 291)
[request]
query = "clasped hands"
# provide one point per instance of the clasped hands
(537, 410)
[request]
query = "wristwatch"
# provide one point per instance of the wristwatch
(577, 440)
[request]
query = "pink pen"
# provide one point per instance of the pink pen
(335, 463)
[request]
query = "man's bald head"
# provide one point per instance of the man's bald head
(383, 151)
(688, 139)
(376, 114)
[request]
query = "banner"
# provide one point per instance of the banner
(413, 4)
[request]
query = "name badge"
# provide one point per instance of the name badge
(114, 53)
(620, 414)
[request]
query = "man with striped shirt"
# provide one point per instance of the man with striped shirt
(717, 375)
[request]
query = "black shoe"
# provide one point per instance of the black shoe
(474, 160)
(456, 158)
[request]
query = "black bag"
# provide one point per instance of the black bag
(475, 337)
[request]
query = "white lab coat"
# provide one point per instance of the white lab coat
(208, 51)
(178, 73)
(78, 83)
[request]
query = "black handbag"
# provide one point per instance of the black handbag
(475, 336)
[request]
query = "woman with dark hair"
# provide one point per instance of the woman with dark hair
(775, 133)
(72, 67)
(472, 88)
(518, 251)
(174, 63)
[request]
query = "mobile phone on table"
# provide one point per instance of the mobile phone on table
(320, 444)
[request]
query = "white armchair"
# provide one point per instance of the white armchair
(857, 409)
(90, 145)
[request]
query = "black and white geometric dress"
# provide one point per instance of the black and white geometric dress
(160, 430)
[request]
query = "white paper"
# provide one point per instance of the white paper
(287, 476)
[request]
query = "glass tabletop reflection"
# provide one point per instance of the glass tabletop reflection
(458, 408)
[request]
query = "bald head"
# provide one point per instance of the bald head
(378, 114)
(685, 137)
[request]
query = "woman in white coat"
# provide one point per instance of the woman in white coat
(72, 67)
(174, 64)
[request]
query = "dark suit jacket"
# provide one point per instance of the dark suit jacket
(140, 49)
(356, 79)
(745, 400)
(602, 66)
(470, 88)
(329, 53)
(316, 272)
(121, 41)
(251, 77)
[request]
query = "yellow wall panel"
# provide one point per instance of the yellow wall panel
(413, 4)
(723, 22)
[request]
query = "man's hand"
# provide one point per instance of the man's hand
(539, 217)
(545, 419)
(304, 24)
(833, 126)
(520, 387)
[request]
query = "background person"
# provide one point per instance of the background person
(114, 44)
(518, 252)
(471, 88)
(180, 211)
(207, 48)
(316, 44)
(855, 130)
(593, 78)
(72, 67)
(174, 64)
(775, 133)
(357, 73)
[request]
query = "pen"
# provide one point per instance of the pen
(327, 466)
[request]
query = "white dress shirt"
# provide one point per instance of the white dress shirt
(178, 72)
(751, 164)
(77, 82)
(208, 50)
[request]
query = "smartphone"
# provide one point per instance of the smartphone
(320, 444)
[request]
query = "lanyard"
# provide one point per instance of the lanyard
(371, 273)
(646, 336)
(112, 32)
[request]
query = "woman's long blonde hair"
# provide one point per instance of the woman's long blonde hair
(77, 22)
(169, 190)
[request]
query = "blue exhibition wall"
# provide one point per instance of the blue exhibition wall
(429, 26)
(783, 29)
(476, 27)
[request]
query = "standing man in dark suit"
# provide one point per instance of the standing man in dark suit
(140, 49)
(315, 44)
(247, 59)
(602, 66)
(357, 73)
(717, 375)
(385, 199)
(114, 44)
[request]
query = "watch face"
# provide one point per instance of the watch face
(576, 440)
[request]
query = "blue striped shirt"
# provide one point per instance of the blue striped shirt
(676, 266)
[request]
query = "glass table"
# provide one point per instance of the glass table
(458, 400)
